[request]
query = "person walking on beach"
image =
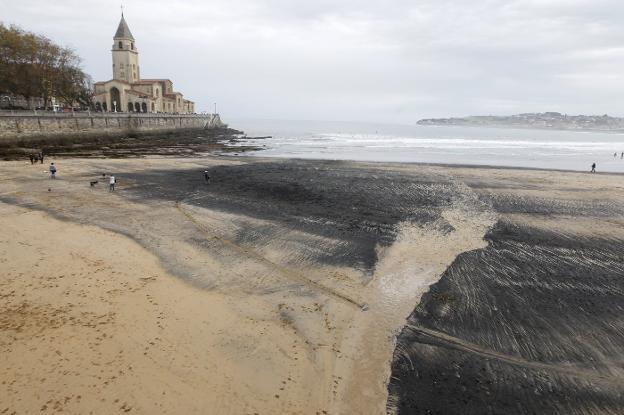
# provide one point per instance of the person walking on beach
(111, 184)
(41, 157)
(593, 170)
(615, 155)
(206, 177)
(622, 156)
(32, 158)
(52, 171)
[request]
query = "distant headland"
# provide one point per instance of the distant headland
(544, 120)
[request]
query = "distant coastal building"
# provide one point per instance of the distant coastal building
(127, 92)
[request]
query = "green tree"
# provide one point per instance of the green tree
(32, 66)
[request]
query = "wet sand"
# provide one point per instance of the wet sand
(283, 283)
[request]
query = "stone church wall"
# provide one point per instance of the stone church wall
(24, 126)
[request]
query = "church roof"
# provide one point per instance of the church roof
(112, 80)
(152, 81)
(123, 31)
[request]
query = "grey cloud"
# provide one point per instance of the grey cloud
(359, 60)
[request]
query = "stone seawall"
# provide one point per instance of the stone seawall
(28, 126)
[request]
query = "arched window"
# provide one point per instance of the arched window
(115, 99)
(157, 92)
(144, 107)
(104, 106)
(130, 107)
(120, 45)
(132, 45)
(152, 107)
(137, 107)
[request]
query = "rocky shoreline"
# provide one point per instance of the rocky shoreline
(179, 143)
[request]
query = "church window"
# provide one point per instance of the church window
(120, 45)
(132, 45)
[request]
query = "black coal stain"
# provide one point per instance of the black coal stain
(532, 293)
(324, 198)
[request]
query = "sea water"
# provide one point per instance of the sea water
(546, 149)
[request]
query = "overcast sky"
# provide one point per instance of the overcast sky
(387, 61)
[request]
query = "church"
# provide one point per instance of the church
(127, 92)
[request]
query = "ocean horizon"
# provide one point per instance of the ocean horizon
(458, 145)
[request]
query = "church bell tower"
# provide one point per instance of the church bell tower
(125, 54)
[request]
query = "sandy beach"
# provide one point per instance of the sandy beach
(309, 287)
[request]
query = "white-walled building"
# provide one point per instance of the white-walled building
(127, 92)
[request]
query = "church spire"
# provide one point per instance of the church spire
(123, 31)
(125, 54)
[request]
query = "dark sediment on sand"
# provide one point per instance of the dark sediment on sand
(325, 198)
(530, 324)
(185, 143)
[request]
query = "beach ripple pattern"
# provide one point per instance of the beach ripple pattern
(530, 324)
